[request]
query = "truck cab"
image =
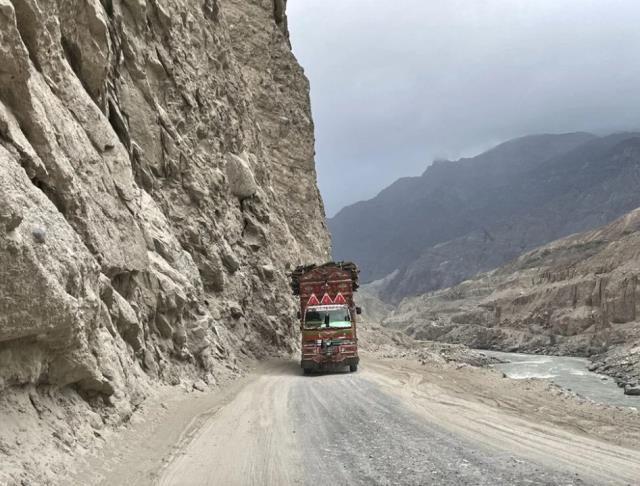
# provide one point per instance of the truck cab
(329, 336)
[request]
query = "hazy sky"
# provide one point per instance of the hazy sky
(395, 84)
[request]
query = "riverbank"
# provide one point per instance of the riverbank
(623, 364)
(571, 373)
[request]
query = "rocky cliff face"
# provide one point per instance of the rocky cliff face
(578, 295)
(157, 181)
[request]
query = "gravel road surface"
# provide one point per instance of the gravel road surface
(383, 426)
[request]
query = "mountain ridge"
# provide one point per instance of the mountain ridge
(578, 295)
(469, 203)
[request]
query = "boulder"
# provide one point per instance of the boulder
(229, 259)
(235, 310)
(632, 390)
(240, 178)
(268, 272)
(212, 272)
(200, 386)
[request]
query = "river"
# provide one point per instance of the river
(566, 371)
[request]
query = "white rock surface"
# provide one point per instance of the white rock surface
(147, 179)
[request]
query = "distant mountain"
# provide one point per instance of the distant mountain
(472, 215)
(575, 296)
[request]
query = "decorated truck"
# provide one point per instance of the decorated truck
(327, 315)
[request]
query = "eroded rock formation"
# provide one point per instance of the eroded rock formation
(157, 181)
(578, 296)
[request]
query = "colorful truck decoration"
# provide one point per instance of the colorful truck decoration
(327, 315)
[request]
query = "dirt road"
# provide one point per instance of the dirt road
(391, 423)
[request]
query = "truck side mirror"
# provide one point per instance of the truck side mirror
(358, 310)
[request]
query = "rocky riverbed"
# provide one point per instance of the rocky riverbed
(623, 364)
(571, 373)
(577, 296)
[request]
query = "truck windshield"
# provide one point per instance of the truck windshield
(317, 318)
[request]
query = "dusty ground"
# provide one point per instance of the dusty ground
(396, 421)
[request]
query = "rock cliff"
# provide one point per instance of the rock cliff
(157, 182)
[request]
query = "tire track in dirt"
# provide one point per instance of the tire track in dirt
(388, 425)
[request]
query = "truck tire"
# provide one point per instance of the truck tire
(353, 368)
(306, 371)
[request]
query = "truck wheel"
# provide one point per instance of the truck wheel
(353, 368)
(306, 371)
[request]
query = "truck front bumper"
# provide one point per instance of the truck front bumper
(329, 363)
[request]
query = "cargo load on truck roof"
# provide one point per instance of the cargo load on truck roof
(305, 269)
(330, 283)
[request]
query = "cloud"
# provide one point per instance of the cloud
(395, 84)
